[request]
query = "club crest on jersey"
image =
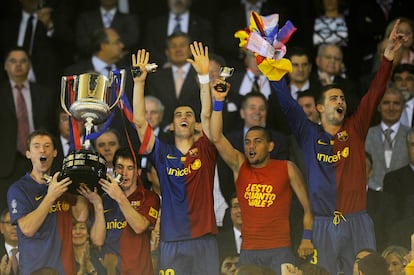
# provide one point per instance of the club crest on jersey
(343, 136)
(14, 206)
(135, 204)
(193, 152)
(153, 213)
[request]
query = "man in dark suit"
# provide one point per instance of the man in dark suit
(178, 19)
(399, 192)
(229, 240)
(107, 16)
(8, 244)
(38, 102)
(176, 85)
(45, 34)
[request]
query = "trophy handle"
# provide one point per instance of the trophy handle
(62, 95)
(121, 89)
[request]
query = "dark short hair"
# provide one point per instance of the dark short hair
(109, 130)
(251, 95)
(217, 58)
(175, 35)
(98, 37)
(266, 132)
(40, 132)
(401, 68)
(321, 95)
(298, 51)
(307, 93)
(3, 214)
(15, 49)
(373, 264)
(125, 153)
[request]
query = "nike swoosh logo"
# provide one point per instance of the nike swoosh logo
(321, 142)
(37, 198)
(107, 210)
(170, 157)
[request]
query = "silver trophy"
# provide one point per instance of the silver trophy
(225, 72)
(89, 97)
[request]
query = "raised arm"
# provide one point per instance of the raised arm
(140, 60)
(298, 186)
(394, 42)
(233, 158)
(200, 65)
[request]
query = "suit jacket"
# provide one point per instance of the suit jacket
(126, 25)
(399, 192)
(225, 174)
(161, 85)
(43, 110)
(199, 29)
(46, 66)
(226, 243)
(375, 146)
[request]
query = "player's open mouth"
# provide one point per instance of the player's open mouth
(184, 124)
(43, 158)
(340, 110)
(252, 154)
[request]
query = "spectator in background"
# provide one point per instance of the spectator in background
(107, 15)
(398, 199)
(330, 26)
(403, 80)
(394, 255)
(46, 37)
(176, 85)
(307, 101)
(373, 264)
(26, 106)
(9, 252)
(229, 265)
(229, 240)
(106, 144)
(178, 19)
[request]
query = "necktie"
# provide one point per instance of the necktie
(22, 121)
(387, 139)
(179, 80)
(14, 261)
(177, 27)
(256, 86)
(108, 69)
(27, 43)
(107, 19)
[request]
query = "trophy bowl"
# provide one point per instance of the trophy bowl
(90, 97)
(83, 167)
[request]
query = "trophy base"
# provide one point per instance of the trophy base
(83, 167)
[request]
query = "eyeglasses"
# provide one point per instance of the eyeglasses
(235, 206)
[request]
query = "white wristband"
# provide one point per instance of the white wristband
(204, 78)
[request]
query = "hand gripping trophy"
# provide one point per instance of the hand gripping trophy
(89, 97)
